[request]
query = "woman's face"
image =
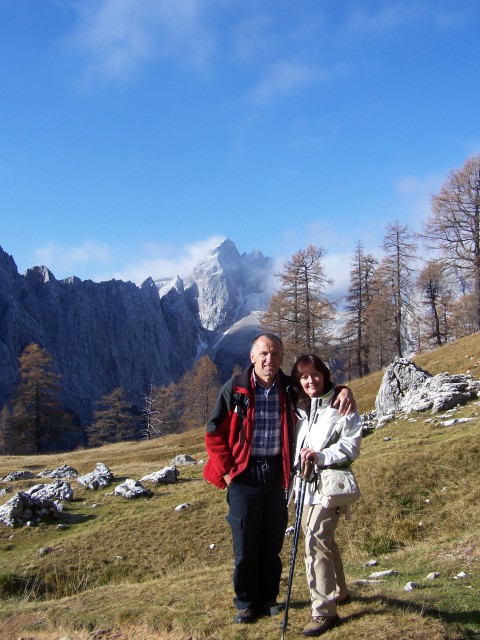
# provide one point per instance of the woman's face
(312, 382)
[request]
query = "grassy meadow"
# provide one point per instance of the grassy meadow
(140, 570)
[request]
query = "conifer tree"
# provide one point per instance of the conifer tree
(201, 393)
(453, 227)
(112, 420)
(400, 254)
(37, 415)
(436, 297)
(360, 293)
(300, 312)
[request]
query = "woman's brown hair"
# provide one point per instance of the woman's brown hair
(304, 362)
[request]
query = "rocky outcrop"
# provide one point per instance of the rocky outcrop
(406, 387)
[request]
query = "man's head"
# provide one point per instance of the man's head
(266, 353)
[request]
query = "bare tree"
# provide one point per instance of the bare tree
(436, 295)
(400, 254)
(453, 228)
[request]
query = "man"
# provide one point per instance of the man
(249, 440)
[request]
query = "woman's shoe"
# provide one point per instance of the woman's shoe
(320, 624)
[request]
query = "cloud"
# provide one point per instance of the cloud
(415, 195)
(282, 78)
(119, 36)
(161, 261)
(66, 260)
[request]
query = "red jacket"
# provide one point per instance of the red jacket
(229, 432)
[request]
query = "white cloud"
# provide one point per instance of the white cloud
(415, 194)
(161, 261)
(117, 36)
(65, 260)
(282, 78)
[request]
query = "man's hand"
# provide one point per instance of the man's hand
(345, 402)
(226, 477)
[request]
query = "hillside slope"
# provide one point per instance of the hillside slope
(140, 569)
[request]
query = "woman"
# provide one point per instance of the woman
(324, 438)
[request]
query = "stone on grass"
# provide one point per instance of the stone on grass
(24, 509)
(65, 471)
(183, 459)
(132, 489)
(18, 475)
(100, 477)
(168, 475)
(57, 490)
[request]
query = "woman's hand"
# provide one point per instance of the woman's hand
(308, 454)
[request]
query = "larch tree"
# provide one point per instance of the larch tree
(37, 413)
(400, 254)
(360, 293)
(112, 420)
(453, 227)
(5, 430)
(300, 312)
(380, 323)
(436, 297)
(201, 394)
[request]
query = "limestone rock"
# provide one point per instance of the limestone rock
(132, 489)
(18, 475)
(58, 490)
(167, 475)
(100, 477)
(65, 471)
(23, 509)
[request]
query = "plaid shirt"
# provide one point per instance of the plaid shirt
(267, 430)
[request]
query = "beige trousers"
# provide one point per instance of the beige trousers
(323, 563)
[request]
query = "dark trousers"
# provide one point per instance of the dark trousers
(258, 518)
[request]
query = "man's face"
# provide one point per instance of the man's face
(267, 356)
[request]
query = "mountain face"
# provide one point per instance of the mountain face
(116, 334)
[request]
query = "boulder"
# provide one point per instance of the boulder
(100, 477)
(24, 508)
(132, 489)
(168, 475)
(406, 387)
(401, 377)
(18, 475)
(183, 459)
(58, 490)
(65, 471)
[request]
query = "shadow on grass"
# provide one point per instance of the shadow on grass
(75, 518)
(462, 620)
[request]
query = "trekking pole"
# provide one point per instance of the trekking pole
(306, 473)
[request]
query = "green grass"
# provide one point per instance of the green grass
(139, 570)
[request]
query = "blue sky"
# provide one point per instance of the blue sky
(136, 133)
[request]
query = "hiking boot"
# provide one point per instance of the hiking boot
(320, 624)
(245, 616)
(345, 600)
(271, 608)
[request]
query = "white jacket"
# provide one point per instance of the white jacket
(335, 438)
